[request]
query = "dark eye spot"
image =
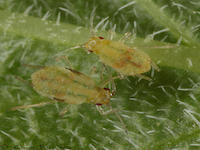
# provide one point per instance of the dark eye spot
(107, 89)
(90, 51)
(100, 37)
(98, 104)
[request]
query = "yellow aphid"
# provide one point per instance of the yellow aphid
(68, 86)
(71, 87)
(123, 59)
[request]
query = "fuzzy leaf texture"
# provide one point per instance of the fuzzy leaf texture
(161, 114)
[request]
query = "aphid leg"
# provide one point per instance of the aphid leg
(155, 66)
(30, 106)
(143, 77)
(93, 70)
(113, 85)
(122, 122)
(120, 119)
(102, 112)
(66, 60)
(33, 66)
(93, 32)
(111, 34)
(125, 37)
(102, 71)
(64, 111)
(59, 100)
(114, 88)
(109, 80)
(163, 47)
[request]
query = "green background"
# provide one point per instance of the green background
(160, 114)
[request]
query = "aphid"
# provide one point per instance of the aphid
(125, 60)
(69, 86)
(116, 54)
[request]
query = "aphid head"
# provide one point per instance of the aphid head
(93, 41)
(104, 96)
(110, 93)
(98, 104)
(90, 51)
(101, 38)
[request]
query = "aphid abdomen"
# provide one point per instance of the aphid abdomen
(60, 83)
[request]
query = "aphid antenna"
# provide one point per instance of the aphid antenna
(143, 77)
(115, 111)
(75, 47)
(109, 80)
(162, 47)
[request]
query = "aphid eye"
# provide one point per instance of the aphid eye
(92, 43)
(100, 37)
(90, 51)
(98, 104)
(107, 89)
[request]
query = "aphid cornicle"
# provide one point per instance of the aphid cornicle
(69, 86)
(116, 54)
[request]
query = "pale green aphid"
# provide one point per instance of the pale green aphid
(125, 60)
(69, 86)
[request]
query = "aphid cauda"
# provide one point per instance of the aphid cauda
(116, 54)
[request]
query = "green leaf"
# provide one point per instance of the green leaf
(158, 114)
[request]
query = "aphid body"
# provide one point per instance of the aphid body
(122, 58)
(69, 86)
